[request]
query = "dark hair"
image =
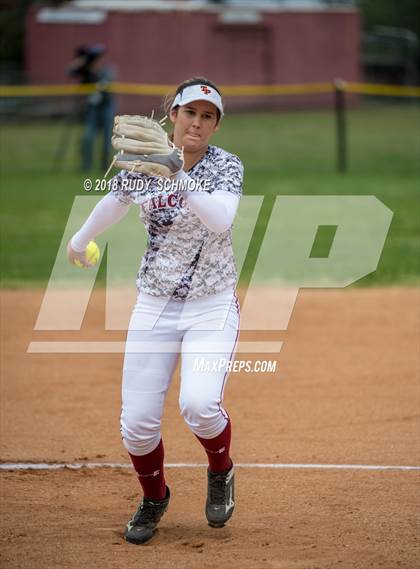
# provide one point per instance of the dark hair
(90, 52)
(169, 99)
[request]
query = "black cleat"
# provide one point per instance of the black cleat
(220, 497)
(142, 525)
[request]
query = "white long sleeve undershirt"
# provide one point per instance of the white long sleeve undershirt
(107, 212)
(216, 210)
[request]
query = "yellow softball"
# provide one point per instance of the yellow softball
(92, 255)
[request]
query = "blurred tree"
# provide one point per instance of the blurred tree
(390, 51)
(12, 27)
(12, 22)
(395, 13)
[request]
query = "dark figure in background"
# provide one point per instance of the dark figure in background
(88, 67)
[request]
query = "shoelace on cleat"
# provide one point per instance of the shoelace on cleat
(217, 489)
(147, 513)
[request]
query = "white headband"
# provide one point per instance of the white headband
(199, 93)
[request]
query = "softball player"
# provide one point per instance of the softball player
(186, 304)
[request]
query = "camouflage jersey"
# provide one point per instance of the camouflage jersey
(183, 258)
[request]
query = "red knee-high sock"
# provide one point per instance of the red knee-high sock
(149, 468)
(217, 450)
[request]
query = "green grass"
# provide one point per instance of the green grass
(289, 153)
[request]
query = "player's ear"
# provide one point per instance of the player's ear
(172, 115)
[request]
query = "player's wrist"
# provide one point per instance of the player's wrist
(76, 245)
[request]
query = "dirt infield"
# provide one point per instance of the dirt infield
(346, 391)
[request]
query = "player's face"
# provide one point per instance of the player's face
(194, 125)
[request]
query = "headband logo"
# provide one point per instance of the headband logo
(205, 89)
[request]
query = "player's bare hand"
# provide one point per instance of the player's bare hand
(74, 256)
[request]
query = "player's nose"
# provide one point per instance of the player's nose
(196, 121)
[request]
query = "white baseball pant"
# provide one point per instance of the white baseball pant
(200, 330)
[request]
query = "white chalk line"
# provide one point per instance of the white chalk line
(93, 465)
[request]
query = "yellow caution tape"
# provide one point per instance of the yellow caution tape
(138, 89)
(45, 90)
(385, 90)
(227, 90)
(302, 89)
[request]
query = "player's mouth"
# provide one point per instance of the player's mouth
(194, 135)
